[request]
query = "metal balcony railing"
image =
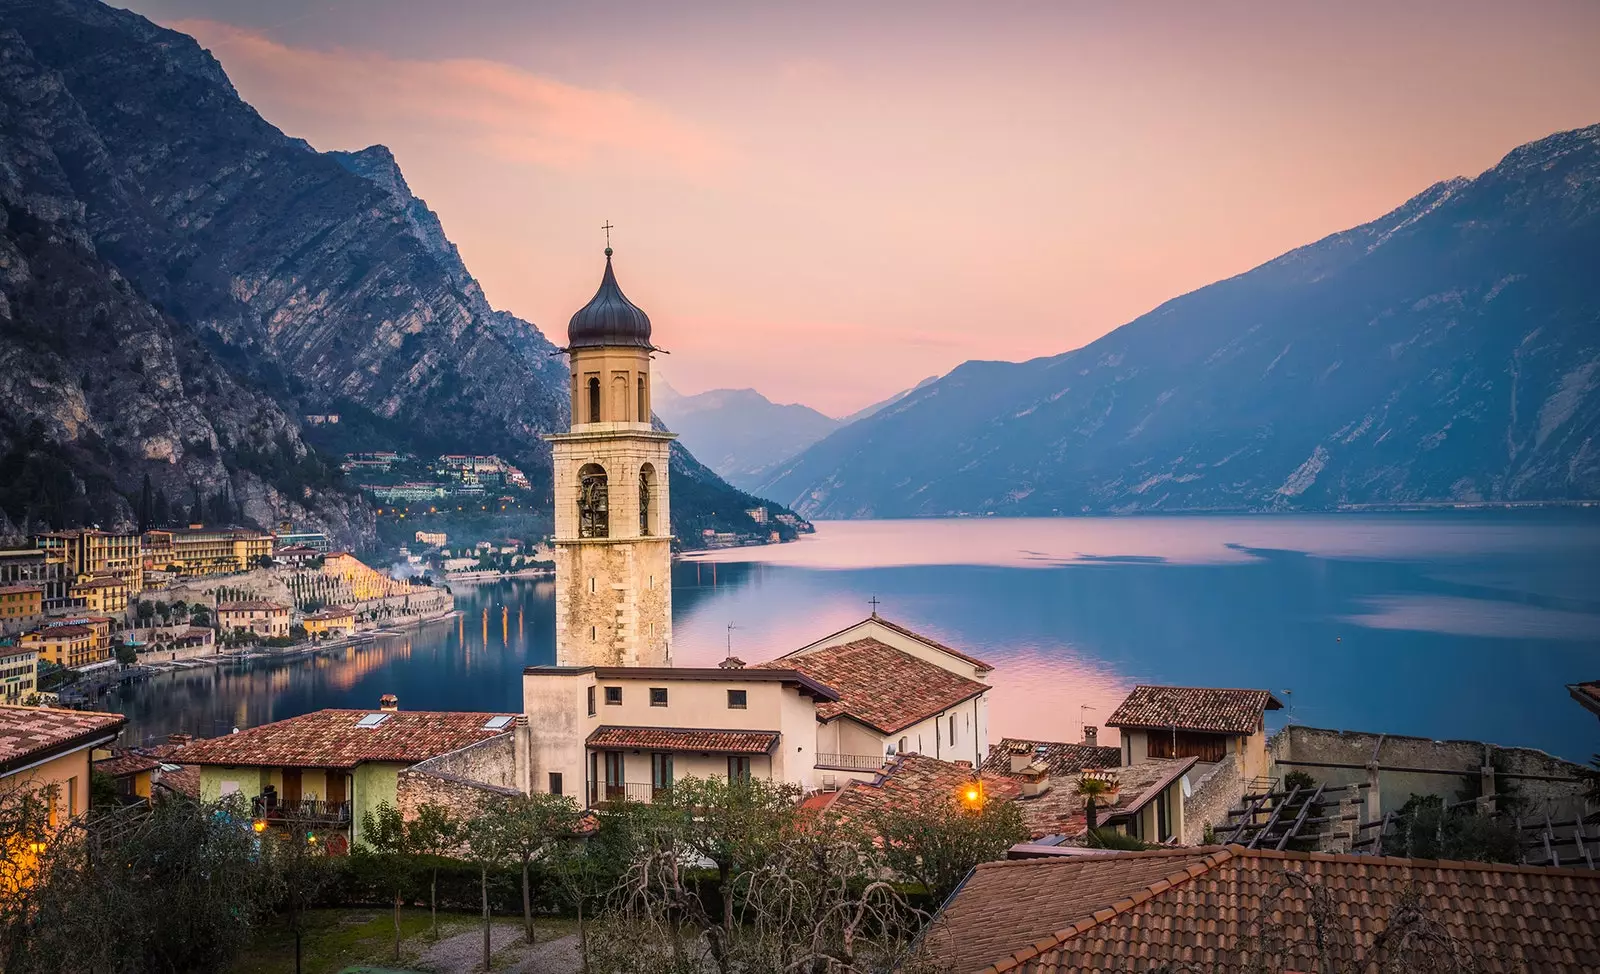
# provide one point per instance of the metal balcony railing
(850, 762)
(631, 791)
(307, 810)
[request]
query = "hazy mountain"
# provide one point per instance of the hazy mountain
(739, 433)
(866, 411)
(315, 282)
(1448, 351)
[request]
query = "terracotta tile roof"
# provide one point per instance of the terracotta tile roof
(182, 779)
(679, 739)
(1587, 694)
(32, 733)
(1061, 809)
(332, 739)
(1062, 759)
(333, 612)
(880, 686)
(63, 632)
(958, 654)
(125, 762)
(1217, 906)
(1003, 907)
(1194, 708)
(252, 605)
(912, 779)
(19, 589)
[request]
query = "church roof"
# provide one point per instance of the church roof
(609, 318)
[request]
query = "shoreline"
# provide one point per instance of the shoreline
(363, 638)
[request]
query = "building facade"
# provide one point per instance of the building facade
(88, 552)
(613, 544)
(21, 606)
(259, 616)
(195, 551)
(67, 645)
(19, 673)
(30, 566)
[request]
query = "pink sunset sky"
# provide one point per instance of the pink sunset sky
(830, 201)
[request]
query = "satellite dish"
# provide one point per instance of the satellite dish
(1187, 791)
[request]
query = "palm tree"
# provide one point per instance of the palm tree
(1091, 788)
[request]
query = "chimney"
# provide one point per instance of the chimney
(1091, 734)
(179, 739)
(1021, 755)
(389, 702)
(732, 663)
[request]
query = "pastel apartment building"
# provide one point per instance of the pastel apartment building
(264, 618)
(21, 606)
(69, 644)
(87, 552)
(49, 751)
(19, 673)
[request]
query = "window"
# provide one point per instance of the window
(644, 407)
(902, 745)
(499, 722)
(594, 508)
(737, 699)
(594, 399)
(660, 774)
(738, 768)
(594, 633)
(591, 701)
(555, 782)
(72, 795)
(591, 584)
(658, 696)
(647, 489)
(952, 730)
(613, 696)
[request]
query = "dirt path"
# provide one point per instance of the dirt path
(462, 953)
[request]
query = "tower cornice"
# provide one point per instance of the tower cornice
(609, 434)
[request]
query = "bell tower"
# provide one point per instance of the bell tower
(613, 544)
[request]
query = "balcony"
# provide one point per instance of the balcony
(849, 762)
(307, 811)
(631, 791)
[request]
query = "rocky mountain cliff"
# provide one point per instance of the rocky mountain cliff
(313, 281)
(1447, 351)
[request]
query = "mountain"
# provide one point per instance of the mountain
(311, 282)
(878, 406)
(739, 433)
(1447, 351)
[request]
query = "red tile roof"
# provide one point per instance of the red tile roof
(958, 654)
(252, 605)
(912, 779)
(880, 686)
(332, 739)
(678, 739)
(1194, 708)
(1218, 907)
(1062, 759)
(123, 763)
(1587, 694)
(28, 734)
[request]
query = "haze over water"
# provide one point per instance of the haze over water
(1450, 625)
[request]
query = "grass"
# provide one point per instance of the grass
(338, 938)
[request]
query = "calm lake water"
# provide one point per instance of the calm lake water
(1451, 625)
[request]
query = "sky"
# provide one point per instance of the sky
(829, 201)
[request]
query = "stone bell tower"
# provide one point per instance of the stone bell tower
(613, 544)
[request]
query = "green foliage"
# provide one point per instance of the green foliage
(127, 655)
(1424, 829)
(936, 842)
(1109, 838)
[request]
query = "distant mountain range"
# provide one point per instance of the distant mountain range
(1447, 351)
(180, 282)
(744, 436)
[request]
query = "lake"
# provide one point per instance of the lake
(1449, 625)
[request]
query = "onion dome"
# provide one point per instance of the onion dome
(609, 318)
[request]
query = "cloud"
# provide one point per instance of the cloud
(496, 108)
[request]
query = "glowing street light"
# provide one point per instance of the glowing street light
(260, 825)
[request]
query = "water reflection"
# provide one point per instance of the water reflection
(1440, 625)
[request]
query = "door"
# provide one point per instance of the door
(660, 775)
(614, 779)
(291, 787)
(335, 792)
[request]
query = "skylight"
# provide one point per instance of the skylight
(496, 723)
(372, 720)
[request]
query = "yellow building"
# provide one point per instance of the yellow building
(102, 593)
(199, 551)
(19, 674)
(436, 539)
(332, 621)
(92, 552)
(71, 646)
(20, 606)
(48, 751)
(364, 582)
(258, 616)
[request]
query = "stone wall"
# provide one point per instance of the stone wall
(1404, 766)
(461, 780)
(1210, 798)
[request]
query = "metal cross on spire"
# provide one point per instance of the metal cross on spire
(607, 227)
(874, 603)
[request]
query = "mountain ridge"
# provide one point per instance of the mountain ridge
(1373, 365)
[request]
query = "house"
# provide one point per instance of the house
(101, 593)
(49, 749)
(20, 607)
(329, 768)
(296, 556)
(67, 644)
(259, 616)
(19, 673)
(1013, 754)
(1231, 910)
(1200, 722)
(148, 772)
(824, 714)
(336, 620)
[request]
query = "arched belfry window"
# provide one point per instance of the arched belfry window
(594, 512)
(647, 489)
(594, 399)
(644, 407)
